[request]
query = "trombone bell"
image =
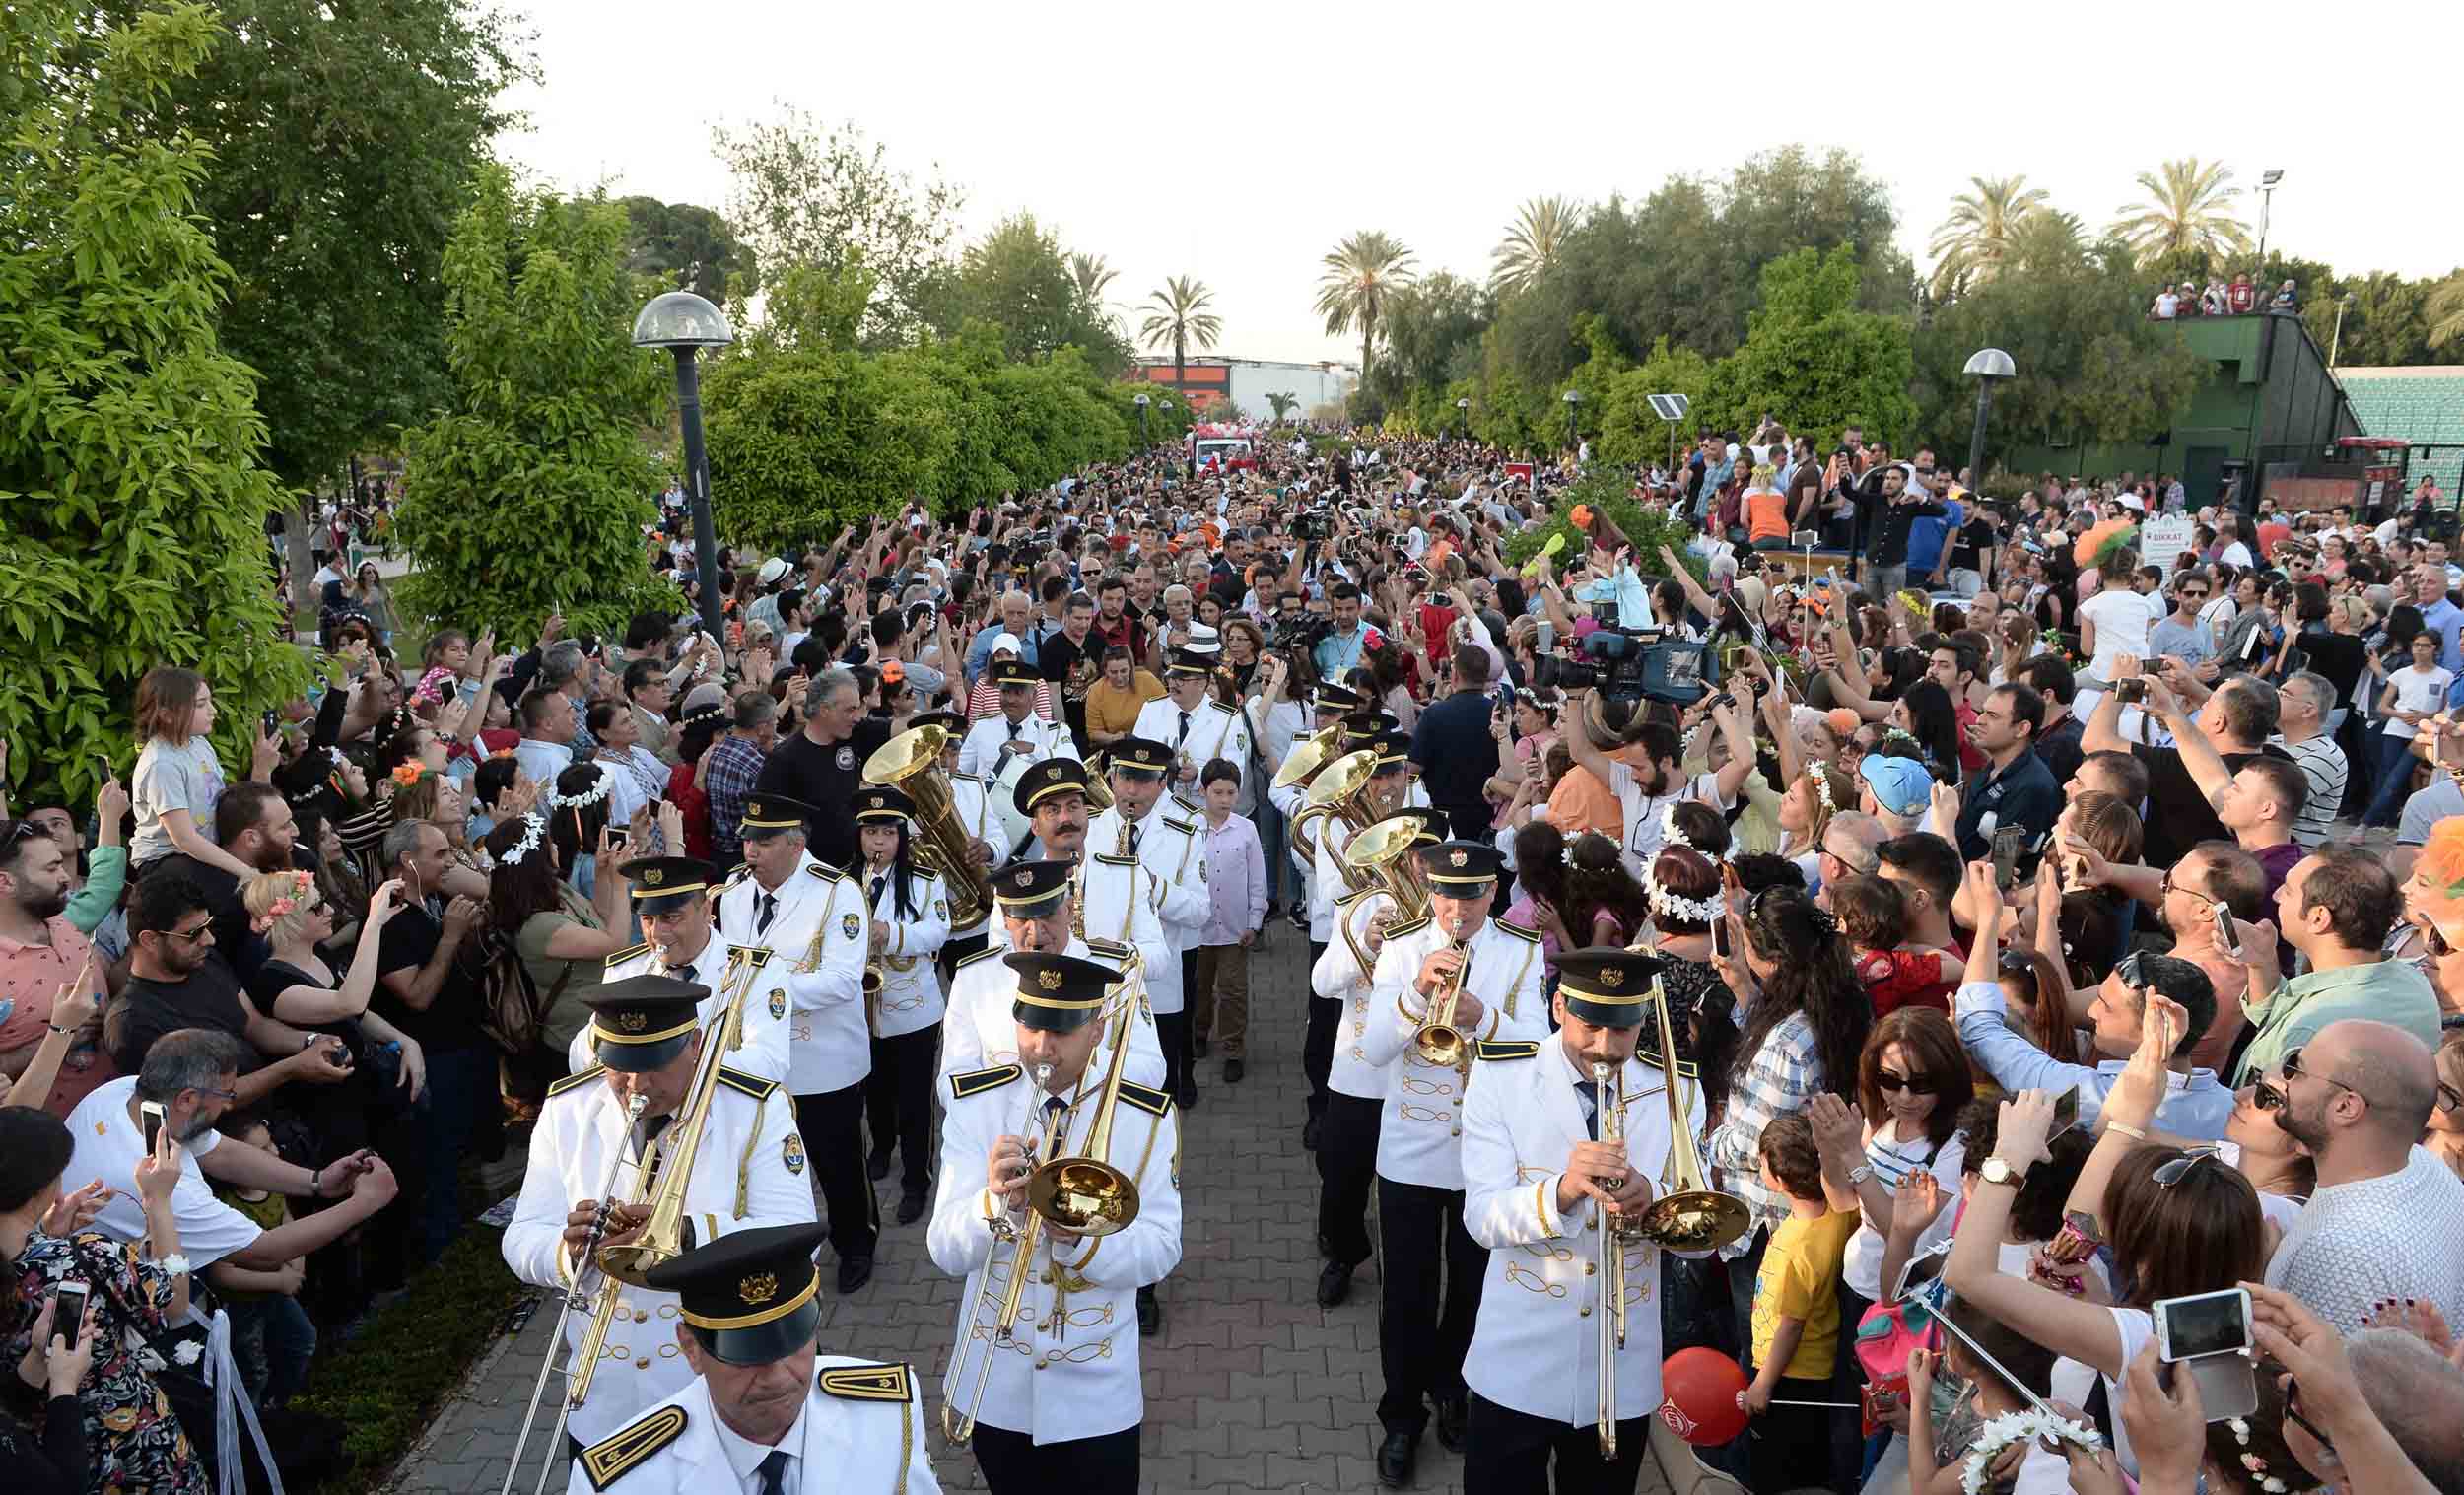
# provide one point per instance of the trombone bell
(1086, 1196)
(1691, 1216)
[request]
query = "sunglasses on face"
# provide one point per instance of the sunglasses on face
(1893, 1084)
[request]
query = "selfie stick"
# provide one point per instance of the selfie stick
(1931, 1295)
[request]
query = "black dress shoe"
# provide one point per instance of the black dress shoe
(1452, 1413)
(1309, 1135)
(1395, 1457)
(1186, 1100)
(910, 1207)
(1233, 1069)
(878, 1165)
(854, 1273)
(1300, 916)
(1335, 1284)
(1197, 1046)
(1150, 1314)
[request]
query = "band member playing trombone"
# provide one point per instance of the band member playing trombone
(1039, 916)
(1544, 1154)
(1059, 1197)
(1441, 984)
(764, 1411)
(675, 899)
(747, 1170)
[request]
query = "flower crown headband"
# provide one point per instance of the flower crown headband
(281, 908)
(604, 784)
(533, 827)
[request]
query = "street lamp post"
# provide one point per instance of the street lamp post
(684, 324)
(1463, 417)
(1574, 440)
(1145, 443)
(2335, 344)
(1987, 365)
(2266, 200)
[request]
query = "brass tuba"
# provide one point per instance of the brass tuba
(912, 762)
(1384, 852)
(1341, 791)
(1691, 1216)
(1300, 768)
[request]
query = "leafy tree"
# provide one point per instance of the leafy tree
(2188, 206)
(531, 489)
(1433, 333)
(1811, 358)
(2444, 310)
(687, 246)
(1093, 276)
(1531, 243)
(1017, 278)
(1969, 246)
(1283, 402)
(1631, 433)
(1359, 275)
(133, 495)
(801, 442)
(1176, 315)
(2385, 320)
(826, 196)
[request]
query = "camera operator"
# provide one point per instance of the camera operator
(1644, 793)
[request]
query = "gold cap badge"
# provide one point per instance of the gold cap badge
(758, 1290)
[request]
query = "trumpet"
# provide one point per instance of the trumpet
(1690, 1215)
(1438, 1041)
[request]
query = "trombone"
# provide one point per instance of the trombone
(1609, 1256)
(1691, 1216)
(1082, 1193)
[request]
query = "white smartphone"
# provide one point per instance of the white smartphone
(149, 1116)
(2208, 1336)
(1806, 539)
(70, 1295)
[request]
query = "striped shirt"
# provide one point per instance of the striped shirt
(2323, 764)
(1785, 1074)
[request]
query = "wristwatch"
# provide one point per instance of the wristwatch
(1996, 1170)
(1859, 1174)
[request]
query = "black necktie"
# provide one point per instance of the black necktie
(1056, 1118)
(647, 1133)
(1591, 1107)
(1184, 735)
(775, 1472)
(872, 895)
(1134, 839)
(769, 911)
(1015, 728)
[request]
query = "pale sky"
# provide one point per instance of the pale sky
(1435, 121)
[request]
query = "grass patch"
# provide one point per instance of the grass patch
(386, 1384)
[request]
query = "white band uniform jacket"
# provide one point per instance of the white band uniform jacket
(815, 977)
(980, 754)
(1172, 854)
(749, 1172)
(910, 987)
(979, 1031)
(1071, 1369)
(1116, 900)
(1340, 976)
(1533, 1348)
(765, 1050)
(862, 1429)
(1419, 1137)
(1215, 731)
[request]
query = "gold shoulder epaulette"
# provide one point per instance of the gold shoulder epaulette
(622, 956)
(751, 1084)
(582, 1077)
(1494, 1049)
(1685, 1067)
(1145, 1098)
(1110, 860)
(607, 1460)
(1508, 926)
(928, 874)
(976, 1081)
(1184, 826)
(1414, 928)
(869, 1382)
(1220, 706)
(964, 961)
(970, 778)
(1349, 899)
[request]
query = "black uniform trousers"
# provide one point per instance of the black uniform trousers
(1509, 1453)
(1430, 1303)
(1172, 1034)
(1317, 1047)
(1347, 1167)
(898, 1102)
(1104, 1464)
(832, 1125)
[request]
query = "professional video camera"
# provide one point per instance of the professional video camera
(1629, 664)
(1313, 526)
(1299, 634)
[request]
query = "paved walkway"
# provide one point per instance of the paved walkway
(1251, 1387)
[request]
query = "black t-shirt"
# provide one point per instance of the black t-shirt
(826, 778)
(1975, 538)
(2178, 816)
(2339, 659)
(451, 1020)
(148, 1009)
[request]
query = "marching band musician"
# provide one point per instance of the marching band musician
(672, 897)
(1389, 789)
(971, 799)
(764, 1414)
(1194, 727)
(1490, 972)
(1172, 854)
(1536, 1176)
(1330, 707)
(748, 1172)
(1115, 907)
(1061, 1401)
(1037, 914)
(911, 919)
(998, 747)
(1348, 1143)
(811, 920)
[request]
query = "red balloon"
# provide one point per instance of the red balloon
(1701, 1387)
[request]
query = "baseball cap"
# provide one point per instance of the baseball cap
(1901, 784)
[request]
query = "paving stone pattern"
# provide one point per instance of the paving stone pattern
(1251, 1387)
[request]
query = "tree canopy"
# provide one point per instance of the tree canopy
(686, 246)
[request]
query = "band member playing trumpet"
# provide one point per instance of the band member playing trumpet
(1424, 1018)
(910, 918)
(1059, 1402)
(676, 901)
(811, 922)
(1544, 1154)
(748, 1171)
(763, 1408)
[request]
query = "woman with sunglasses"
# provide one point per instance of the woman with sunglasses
(2444, 1136)
(1912, 1081)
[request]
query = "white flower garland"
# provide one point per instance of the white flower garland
(584, 802)
(533, 827)
(1702, 911)
(2020, 1427)
(2252, 1461)
(1823, 789)
(1670, 835)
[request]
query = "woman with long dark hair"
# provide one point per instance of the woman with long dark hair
(911, 921)
(562, 939)
(1924, 711)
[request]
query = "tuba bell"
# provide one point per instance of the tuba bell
(1384, 852)
(912, 763)
(1341, 791)
(1300, 769)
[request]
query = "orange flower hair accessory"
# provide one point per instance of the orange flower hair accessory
(409, 774)
(1581, 518)
(2438, 890)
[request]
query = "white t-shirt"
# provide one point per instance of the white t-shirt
(2238, 555)
(108, 1145)
(1861, 1267)
(2417, 689)
(2122, 624)
(1643, 812)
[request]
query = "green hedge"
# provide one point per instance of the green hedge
(1609, 491)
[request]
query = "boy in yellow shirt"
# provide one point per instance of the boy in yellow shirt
(1796, 1320)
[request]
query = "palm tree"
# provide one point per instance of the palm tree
(1360, 273)
(1179, 316)
(1969, 245)
(2444, 310)
(1532, 245)
(1092, 276)
(1284, 403)
(2188, 208)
